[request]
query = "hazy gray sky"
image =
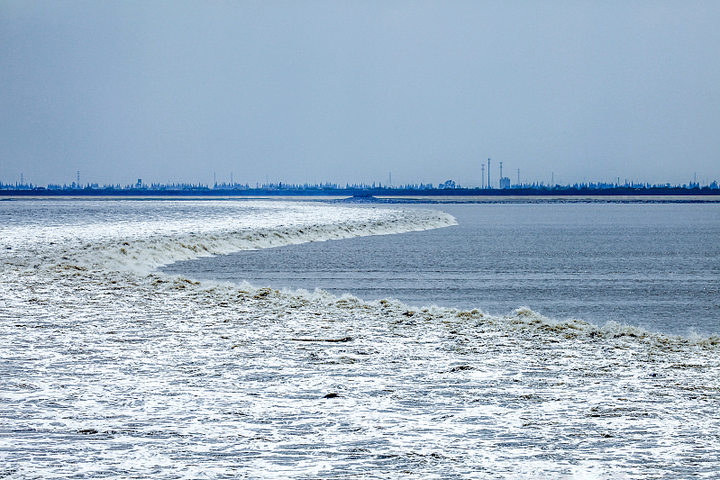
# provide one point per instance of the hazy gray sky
(350, 91)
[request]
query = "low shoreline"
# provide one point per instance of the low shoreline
(410, 194)
(379, 199)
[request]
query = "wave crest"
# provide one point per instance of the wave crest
(147, 254)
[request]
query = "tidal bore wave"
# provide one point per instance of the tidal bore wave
(110, 368)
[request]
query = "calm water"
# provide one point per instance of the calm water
(650, 265)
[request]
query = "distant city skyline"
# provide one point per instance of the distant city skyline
(347, 92)
(491, 182)
(503, 183)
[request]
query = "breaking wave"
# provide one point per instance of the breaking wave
(109, 367)
(147, 254)
(144, 253)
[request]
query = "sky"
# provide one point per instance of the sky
(356, 91)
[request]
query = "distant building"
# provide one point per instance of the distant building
(504, 182)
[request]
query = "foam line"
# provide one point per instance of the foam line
(147, 254)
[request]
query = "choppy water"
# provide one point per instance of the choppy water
(655, 266)
(109, 368)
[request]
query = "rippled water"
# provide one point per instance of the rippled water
(109, 368)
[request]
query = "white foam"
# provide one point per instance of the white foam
(109, 368)
(147, 254)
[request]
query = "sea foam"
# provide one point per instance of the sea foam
(111, 368)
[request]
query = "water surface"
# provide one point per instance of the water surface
(650, 265)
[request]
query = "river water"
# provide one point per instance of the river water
(112, 367)
(656, 266)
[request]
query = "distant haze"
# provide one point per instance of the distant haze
(345, 91)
